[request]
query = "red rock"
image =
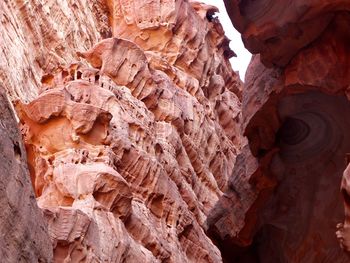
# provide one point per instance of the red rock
(277, 30)
(324, 64)
(286, 206)
(132, 120)
(342, 233)
(131, 138)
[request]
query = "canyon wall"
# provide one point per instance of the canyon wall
(24, 236)
(130, 116)
(283, 201)
(132, 122)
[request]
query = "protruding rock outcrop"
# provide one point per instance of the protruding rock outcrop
(278, 30)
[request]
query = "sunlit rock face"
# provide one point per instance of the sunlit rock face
(39, 36)
(283, 202)
(132, 135)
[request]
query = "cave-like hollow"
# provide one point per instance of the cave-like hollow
(298, 223)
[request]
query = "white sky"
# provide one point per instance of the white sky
(239, 63)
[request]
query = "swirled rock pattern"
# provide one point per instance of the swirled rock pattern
(283, 201)
(131, 124)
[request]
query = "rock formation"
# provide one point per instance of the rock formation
(24, 236)
(133, 121)
(130, 115)
(343, 233)
(283, 201)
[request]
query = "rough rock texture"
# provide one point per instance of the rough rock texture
(343, 233)
(278, 30)
(130, 139)
(37, 36)
(24, 236)
(283, 201)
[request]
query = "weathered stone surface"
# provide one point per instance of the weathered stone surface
(130, 139)
(130, 115)
(277, 30)
(342, 233)
(324, 63)
(38, 36)
(283, 201)
(24, 236)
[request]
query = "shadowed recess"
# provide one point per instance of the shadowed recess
(297, 221)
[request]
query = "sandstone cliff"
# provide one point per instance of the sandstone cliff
(130, 115)
(283, 201)
(133, 121)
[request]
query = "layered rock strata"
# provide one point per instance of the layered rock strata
(131, 139)
(283, 202)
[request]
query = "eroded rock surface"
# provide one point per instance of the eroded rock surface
(278, 30)
(283, 202)
(131, 138)
(343, 233)
(37, 36)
